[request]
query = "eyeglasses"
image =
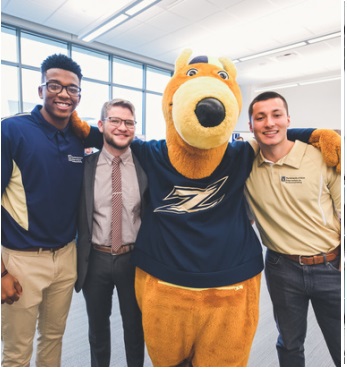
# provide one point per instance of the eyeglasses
(116, 122)
(57, 88)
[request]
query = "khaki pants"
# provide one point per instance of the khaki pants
(47, 279)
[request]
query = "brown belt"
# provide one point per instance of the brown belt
(37, 249)
(107, 249)
(315, 259)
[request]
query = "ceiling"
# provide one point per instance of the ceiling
(232, 28)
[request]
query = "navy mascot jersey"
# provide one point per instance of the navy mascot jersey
(196, 233)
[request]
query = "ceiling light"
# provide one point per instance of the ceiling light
(118, 18)
(296, 84)
(104, 28)
(273, 51)
(277, 87)
(138, 7)
(292, 46)
(323, 38)
(319, 81)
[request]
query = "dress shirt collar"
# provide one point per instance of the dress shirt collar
(125, 157)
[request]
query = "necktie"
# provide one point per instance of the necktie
(116, 235)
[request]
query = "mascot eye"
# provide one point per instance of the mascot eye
(223, 74)
(192, 72)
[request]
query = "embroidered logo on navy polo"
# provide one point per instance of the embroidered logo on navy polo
(75, 159)
(192, 199)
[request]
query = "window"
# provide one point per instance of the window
(93, 64)
(157, 79)
(105, 76)
(9, 91)
(127, 73)
(93, 96)
(8, 44)
(135, 97)
(31, 82)
(155, 123)
(35, 49)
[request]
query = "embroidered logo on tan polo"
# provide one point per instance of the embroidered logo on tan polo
(292, 180)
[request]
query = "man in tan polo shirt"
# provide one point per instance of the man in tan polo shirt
(296, 199)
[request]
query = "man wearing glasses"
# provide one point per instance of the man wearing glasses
(42, 171)
(108, 222)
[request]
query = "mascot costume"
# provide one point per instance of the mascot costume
(198, 258)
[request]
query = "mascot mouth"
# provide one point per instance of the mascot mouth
(210, 112)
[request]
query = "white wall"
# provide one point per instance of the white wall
(312, 106)
(316, 105)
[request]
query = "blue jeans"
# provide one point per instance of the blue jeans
(291, 287)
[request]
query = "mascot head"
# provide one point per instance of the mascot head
(201, 106)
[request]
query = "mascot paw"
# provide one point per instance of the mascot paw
(80, 127)
(329, 143)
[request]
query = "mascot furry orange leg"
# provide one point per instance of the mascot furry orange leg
(206, 327)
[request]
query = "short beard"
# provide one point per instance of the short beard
(115, 146)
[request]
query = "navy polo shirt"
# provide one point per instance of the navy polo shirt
(42, 171)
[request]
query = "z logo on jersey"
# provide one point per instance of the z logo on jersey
(192, 199)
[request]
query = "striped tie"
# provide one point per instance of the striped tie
(116, 206)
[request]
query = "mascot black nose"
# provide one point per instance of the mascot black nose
(210, 112)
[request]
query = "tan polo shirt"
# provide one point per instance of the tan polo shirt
(296, 202)
(102, 213)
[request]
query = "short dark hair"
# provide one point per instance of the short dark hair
(266, 96)
(61, 61)
(116, 102)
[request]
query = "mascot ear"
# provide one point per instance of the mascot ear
(80, 127)
(183, 59)
(329, 143)
(231, 70)
(229, 67)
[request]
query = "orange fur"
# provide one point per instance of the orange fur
(209, 327)
(329, 143)
(193, 162)
(80, 127)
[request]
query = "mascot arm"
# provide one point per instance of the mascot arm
(255, 146)
(94, 139)
(91, 136)
(301, 134)
(326, 140)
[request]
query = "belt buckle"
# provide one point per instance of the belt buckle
(124, 249)
(120, 251)
(114, 253)
(300, 262)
